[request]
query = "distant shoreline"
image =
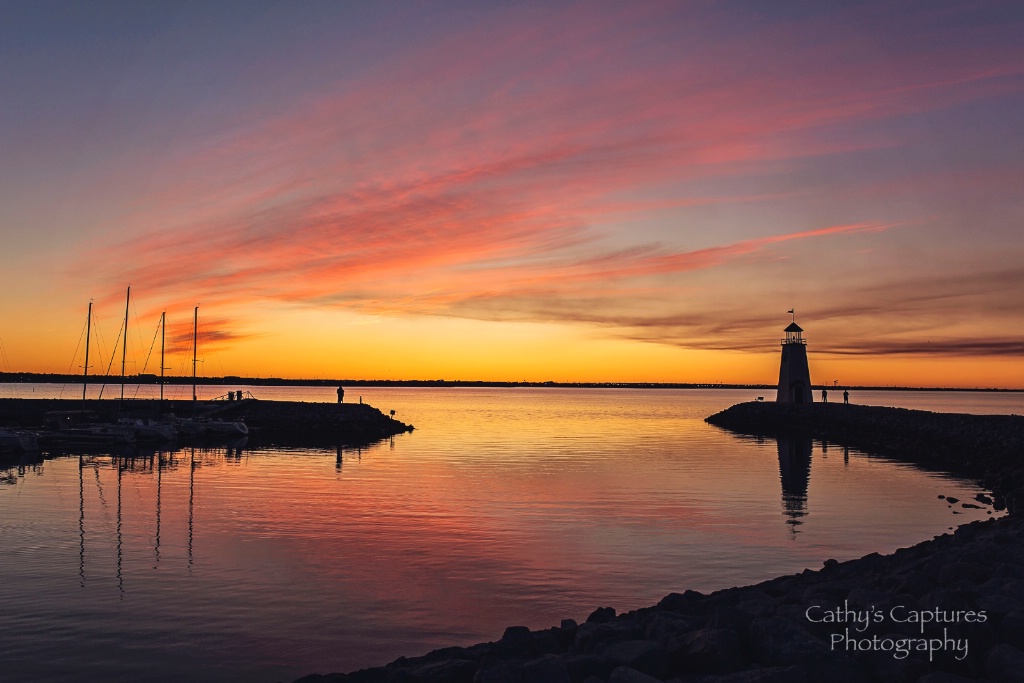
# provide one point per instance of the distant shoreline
(46, 378)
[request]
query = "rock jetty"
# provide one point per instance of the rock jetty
(946, 610)
(988, 448)
(295, 423)
(291, 423)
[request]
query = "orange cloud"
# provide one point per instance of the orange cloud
(499, 173)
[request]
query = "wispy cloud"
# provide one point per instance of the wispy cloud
(495, 173)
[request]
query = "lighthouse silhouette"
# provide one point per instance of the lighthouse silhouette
(794, 375)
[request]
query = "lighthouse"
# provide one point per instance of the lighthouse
(794, 375)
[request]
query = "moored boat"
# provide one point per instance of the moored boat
(18, 441)
(74, 429)
(213, 428)
(150, 430)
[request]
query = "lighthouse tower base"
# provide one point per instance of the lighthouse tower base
(794, 375)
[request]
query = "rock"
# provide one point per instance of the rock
(516, 638)
(624, 674)
(643, 655)
(450, 671)
(547, 669)
(780, 642)
(708, 651)
(601, 615)
(499, 672)
(887, 668)
(680, 602)
(753, 605)
(662, 627)
(1004, 663)
(999, 605)
(789, 674)
(585, 667)
(866, 597)
(589, 635)
(943, 677)
(950, 572)
(831, 591)
(1011, 628)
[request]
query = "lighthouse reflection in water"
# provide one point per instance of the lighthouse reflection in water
(795, 472)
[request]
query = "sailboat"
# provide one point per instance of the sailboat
(204, 426)
(79, 428)
(148, 429)
(18, 441)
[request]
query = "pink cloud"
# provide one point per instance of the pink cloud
(485, 166)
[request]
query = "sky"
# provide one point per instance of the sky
(506, 191)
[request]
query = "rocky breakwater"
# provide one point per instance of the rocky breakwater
(296, 423)
(291, 423)
(988, 448)
(946, 610)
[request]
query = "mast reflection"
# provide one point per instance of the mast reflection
(191, 500)
(159, 477)
(130, 470)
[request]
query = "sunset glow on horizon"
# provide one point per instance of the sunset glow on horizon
(558, 191)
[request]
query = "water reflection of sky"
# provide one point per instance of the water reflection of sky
(503, 507)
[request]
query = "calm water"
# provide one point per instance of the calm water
(505, 506)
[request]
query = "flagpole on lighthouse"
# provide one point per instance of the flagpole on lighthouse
(792, 311)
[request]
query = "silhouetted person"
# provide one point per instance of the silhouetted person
(824, 395)
(341, 394)
(846, 396)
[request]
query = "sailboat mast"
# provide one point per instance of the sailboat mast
(124, 345)
(88, 333)
(163, 337)
(195, 338)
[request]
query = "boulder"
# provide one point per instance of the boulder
(643, 655)
(624, 674)
(1004, 663)
(601, 615)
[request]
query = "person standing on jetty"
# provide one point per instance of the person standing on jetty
(824, 395)
(341, 395)
(846, 395)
